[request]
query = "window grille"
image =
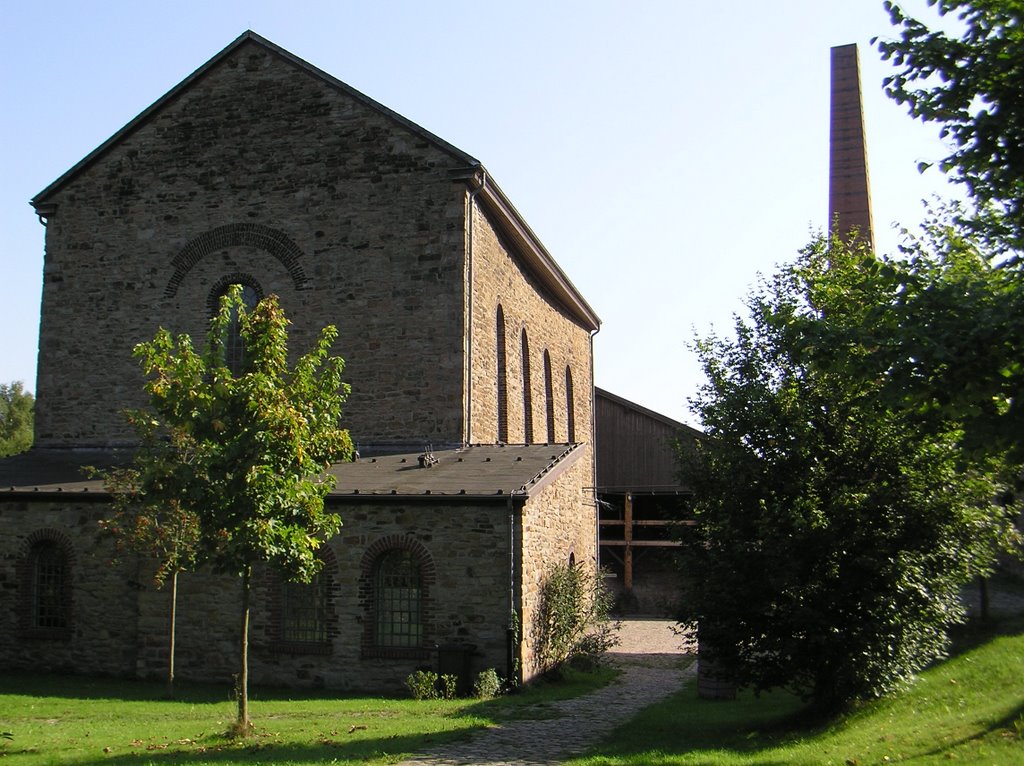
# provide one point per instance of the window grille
(399, 621)
(304, 611)
(49, 576)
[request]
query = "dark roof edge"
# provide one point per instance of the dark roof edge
(144, 115)
(600, 392)
(436, 498)
(542, 480)
(67, 495)
(537, 257)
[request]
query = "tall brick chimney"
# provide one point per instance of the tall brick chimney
(849, 186)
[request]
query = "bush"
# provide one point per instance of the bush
(449, 686)
(572, 622)
(422, 684)
(487, 684)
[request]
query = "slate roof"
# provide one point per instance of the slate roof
(479, 472)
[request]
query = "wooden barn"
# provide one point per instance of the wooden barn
(640, 499)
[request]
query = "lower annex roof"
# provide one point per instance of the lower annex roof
(477, 471)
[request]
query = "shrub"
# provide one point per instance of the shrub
(422, 684)
(487, 684)
(572, 622)
(449, 686)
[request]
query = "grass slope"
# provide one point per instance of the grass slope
(968, 709)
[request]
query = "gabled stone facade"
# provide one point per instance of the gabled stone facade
(457, 327)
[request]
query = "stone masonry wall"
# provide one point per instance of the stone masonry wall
(499, 279)
(120, 620)
(262, 172)
(559, 522)
(102, 635)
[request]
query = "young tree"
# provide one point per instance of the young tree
(971, 84)
(148, 520)
(16, 416)
(834, 531)
(249, 450)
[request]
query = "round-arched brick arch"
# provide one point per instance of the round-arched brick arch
(272, 241)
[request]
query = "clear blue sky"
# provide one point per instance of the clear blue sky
(665, 152)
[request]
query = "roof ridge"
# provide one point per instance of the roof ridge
(249, 35)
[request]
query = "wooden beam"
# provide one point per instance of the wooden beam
(628, 529)
(642, 543)
(647, 523)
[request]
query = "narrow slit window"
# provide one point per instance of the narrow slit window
(527, 393)
(502, 378)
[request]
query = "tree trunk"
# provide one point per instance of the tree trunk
(242, 725)
(170, 637)
(983, 599)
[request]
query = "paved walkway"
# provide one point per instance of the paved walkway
(650, 656)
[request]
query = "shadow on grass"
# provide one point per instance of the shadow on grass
(251, 750)
(73, 686)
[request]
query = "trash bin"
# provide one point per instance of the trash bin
(457, 660)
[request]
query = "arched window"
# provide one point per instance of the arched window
(234, 348)
(549, 398)
(45, 603)
(398, 594)
(502, 379)
(527, 393)
(570, 406)
(49, 572)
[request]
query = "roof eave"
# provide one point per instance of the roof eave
(536, 256)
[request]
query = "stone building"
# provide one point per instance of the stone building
(461, 336)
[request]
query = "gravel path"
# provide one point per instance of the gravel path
(651, 657)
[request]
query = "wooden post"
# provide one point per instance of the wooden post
(627, 576)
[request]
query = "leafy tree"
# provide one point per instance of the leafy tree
(972, 84)
(937, 331)
(247, 453)
(16, 417)
(834, 531)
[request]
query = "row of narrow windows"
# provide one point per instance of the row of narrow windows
(549, 402)
(303, 614)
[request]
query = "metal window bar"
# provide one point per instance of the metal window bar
(304, 611)
(48, 575)
(398, 601)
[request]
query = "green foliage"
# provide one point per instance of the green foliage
(248, 453)
(834, 529)
(16, 418)
(422, 684)
(572, 621)
(970, 83)
(240, 460)
(449, 686)
(938, 332)
(487, 684)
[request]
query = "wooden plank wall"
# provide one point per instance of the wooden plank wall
(634, 445)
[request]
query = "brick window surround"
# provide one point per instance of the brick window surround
(395, 587)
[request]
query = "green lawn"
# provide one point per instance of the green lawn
(969, 709)
(76, 720)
